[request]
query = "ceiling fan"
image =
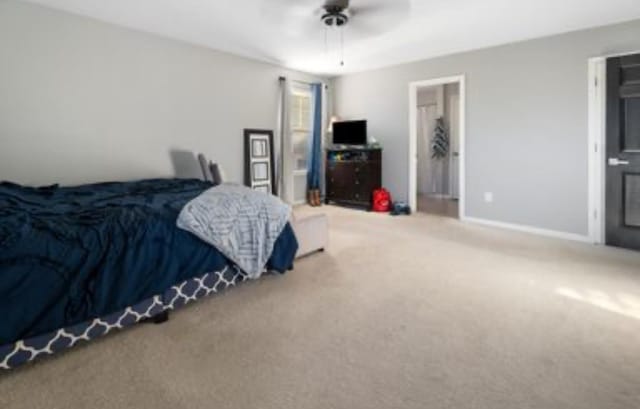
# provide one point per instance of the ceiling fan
(364, 18)
(336, 13)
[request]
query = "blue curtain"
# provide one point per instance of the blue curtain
(315, 152)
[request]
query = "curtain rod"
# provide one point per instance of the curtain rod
(305, 82)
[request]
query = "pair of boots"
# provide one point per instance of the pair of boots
(313, 197)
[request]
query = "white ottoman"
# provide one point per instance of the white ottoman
(312, 232)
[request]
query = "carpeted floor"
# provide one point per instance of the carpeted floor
(407, 312)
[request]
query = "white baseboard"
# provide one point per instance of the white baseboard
(529, 229)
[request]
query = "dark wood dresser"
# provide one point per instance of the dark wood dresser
(352, 175)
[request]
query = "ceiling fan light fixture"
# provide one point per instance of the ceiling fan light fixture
(335, 16)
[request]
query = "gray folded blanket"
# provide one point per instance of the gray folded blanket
(243, 224)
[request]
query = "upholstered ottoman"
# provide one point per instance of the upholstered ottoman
(312, 232)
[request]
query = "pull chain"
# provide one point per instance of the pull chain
(326, 46)
(342, 46)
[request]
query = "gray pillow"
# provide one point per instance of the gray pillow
(214, 170)
(206, 171)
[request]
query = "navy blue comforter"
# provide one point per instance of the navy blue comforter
(72, 254)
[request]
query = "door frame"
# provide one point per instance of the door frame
(413, 138)
(597, 149)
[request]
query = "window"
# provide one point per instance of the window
(301, 125)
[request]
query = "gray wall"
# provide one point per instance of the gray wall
(84, 101)
(526, 123)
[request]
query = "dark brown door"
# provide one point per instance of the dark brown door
(623, 152)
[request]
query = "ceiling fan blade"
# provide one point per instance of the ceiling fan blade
(380, 7)
(358, 28)
(291, 7)
(344, 4)
(378, 16)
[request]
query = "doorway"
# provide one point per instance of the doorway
(614, 143)
(622, 177)
(436, 147)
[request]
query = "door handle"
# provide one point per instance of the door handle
(617, 162)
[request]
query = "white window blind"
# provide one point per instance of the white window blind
(301, 125)
(301, 112)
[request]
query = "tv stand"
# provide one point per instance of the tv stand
(353, 173)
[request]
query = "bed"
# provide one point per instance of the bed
(79, 262)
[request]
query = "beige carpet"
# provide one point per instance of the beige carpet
(408, 312)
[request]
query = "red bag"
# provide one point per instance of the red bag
(381, 200)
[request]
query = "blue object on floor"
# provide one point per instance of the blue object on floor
(400, 208)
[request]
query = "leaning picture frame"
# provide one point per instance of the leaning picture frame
(258, 161)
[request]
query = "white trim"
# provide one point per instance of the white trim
(597, 148)
(529, 229)
(413, 138)
(323, 141)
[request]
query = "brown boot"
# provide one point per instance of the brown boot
(317, 197)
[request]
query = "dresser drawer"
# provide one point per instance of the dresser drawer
(361, 196)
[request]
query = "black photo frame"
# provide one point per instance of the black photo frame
(258, 154)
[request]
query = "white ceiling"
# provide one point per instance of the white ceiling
(287, 32)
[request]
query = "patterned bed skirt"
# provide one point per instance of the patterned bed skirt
(23, 351)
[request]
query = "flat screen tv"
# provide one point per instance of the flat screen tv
(350, 133)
